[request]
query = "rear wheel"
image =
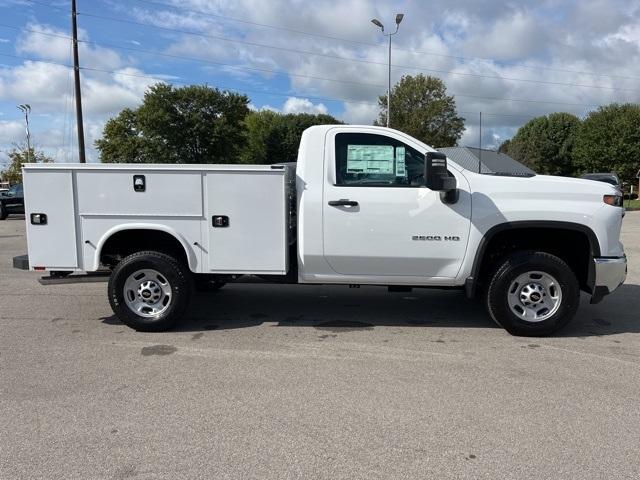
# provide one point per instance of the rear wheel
(533, 294)
(150, 291)
(3, 212)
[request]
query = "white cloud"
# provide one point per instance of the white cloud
(255, 108)
(48, 88)
(302, 105)
(511, 37)
(360, 113)
(53, 44)
(11, 132)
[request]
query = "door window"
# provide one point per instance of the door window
(366, 159)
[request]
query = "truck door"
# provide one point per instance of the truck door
(379, 219)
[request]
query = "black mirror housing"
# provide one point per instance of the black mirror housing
(436, 175)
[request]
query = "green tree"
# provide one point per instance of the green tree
(193, 124)
(272, 137)
(18, 157)
(420, 107)
(545, 144)
(609, 141)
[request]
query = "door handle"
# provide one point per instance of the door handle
(343, 202)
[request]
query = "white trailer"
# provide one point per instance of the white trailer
(362, 205)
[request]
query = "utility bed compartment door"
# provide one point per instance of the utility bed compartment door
(168, 193)
(52, 245)
(252, 229)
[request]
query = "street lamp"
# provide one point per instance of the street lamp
(26, 109)
(379, 24)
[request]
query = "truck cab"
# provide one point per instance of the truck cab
(366, 215)
(362, 205)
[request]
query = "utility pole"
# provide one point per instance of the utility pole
(76, 77)
(26, 109)
(378, 23)
(480, 147)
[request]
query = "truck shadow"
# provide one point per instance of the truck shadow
(336, 308)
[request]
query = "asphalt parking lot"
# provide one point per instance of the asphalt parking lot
(279, 382)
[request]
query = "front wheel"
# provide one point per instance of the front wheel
(150, 291)
(3, 212)
(533, 294)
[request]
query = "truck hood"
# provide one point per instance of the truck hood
(540, 186)
(570, 184)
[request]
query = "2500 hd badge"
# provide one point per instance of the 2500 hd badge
(436, 238)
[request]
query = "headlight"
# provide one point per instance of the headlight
(613, 200)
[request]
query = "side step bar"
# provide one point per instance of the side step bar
(92, 277)
(21, 262)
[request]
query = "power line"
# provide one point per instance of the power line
(241, 67)
(183, 82)
(369, 44)
(350, 59)
(466, 58)
(283, 72)
(232, 89)
(257, 24)
(49, 62)
(235, 89)
(30, 30)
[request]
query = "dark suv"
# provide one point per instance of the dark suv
(610, 178)
(11, 201)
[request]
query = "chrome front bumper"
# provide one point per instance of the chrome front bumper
(610, 273)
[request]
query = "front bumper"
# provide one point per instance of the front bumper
(610, 273)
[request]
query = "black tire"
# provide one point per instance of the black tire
(204, 284)
(179, 287)
(505, 277)
(3, 212)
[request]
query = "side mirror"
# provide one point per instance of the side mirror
(436, 175)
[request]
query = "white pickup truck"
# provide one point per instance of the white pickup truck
(362, 205)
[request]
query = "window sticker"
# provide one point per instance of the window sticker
(401, 170)
(370, 159)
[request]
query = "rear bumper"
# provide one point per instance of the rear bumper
(610, 273)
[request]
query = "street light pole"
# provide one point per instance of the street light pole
(26, 109)
(378, 23)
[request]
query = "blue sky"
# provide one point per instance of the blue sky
(510, 60)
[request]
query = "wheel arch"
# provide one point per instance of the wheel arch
(168, 241)
(536, 226)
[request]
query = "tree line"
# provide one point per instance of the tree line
(606, 140)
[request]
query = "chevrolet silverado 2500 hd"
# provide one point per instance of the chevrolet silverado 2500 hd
(362, 205)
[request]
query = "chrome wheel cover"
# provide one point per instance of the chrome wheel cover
(147, 293)
(534, 296)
